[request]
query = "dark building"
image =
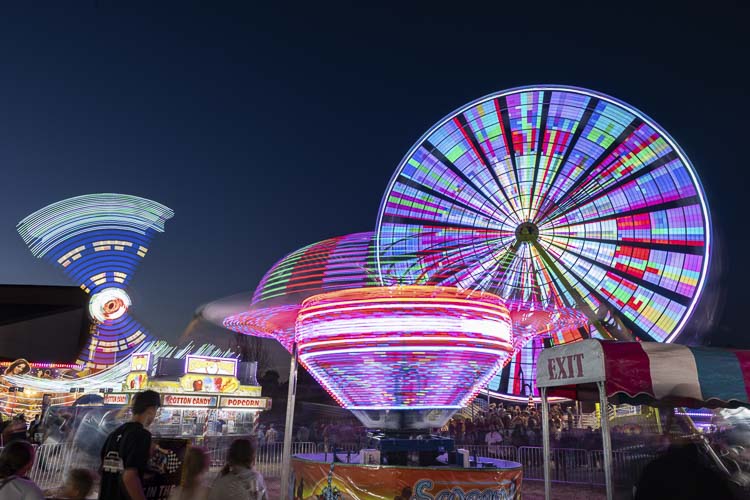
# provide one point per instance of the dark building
(43, 323)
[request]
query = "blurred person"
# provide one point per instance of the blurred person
(683, 472)
(272, 435)
(34, 428)
(237, 480)
(16, 429)
(78, 484)
(261, 435)
(125, 454)
(194, 468)
(16, 461)
(303, 434)
(493, 439)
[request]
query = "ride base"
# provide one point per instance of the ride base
(403, 466)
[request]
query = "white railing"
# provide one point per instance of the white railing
(50, 464)
(568, 465)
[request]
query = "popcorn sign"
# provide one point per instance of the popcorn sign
(248, 403)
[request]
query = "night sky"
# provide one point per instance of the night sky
(269, 129)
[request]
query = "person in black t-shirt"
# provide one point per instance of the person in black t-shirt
(126, 451)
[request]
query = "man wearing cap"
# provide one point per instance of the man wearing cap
(125, 452)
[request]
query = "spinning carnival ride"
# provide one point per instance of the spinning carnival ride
(555, 199)
(99, 240)
(578, 211)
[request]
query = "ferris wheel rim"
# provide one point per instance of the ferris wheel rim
(694, 300)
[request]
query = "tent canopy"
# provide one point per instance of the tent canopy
(647, 373)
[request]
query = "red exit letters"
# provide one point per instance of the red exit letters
(565, 367)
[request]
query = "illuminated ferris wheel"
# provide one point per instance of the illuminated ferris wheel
(560, 200)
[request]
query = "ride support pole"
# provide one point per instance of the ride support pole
(545, 444)
(286, 462)
(606, 439)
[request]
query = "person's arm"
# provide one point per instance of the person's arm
(133, 485)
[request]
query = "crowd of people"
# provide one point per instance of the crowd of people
(125, 461)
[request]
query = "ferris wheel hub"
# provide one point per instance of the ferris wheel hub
(527, 231)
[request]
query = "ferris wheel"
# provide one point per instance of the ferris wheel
(564, 202)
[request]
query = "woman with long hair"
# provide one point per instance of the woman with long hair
(238, 480)
(16, 461)
(193, 469)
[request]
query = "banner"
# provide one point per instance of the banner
(310, 481)
(164, 467)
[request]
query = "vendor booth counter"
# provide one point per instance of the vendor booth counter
(202, 397)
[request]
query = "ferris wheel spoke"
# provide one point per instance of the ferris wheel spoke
(434, 151)
(539, 148)
(616, 301)
(504, 122)
(468, 134)
(441, 255)
(590, 190)
(451, 201)
(581, 304)
(547, 199)
(555, 295)
(489, 265)
(627, 131)
(664, 206)
(633, 280)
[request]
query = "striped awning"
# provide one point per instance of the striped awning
(647, 373)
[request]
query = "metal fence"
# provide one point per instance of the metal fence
(568, 465)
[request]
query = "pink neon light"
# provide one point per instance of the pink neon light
(403, 347)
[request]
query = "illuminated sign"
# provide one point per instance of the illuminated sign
(188, 400)
(140, 362)
(116, 399)
(247, 403)
(211, 366)
(194, 382)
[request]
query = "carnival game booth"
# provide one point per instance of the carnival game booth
(666, 375)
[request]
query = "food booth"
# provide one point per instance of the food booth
(201, 396)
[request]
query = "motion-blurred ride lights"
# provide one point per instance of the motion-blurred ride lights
(403, 356)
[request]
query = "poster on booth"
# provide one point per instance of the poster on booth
(311, 481)
(136, 381)
(193, 382)
(140, 362)
(164, 467)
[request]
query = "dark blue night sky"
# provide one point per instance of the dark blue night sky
(266, 129)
